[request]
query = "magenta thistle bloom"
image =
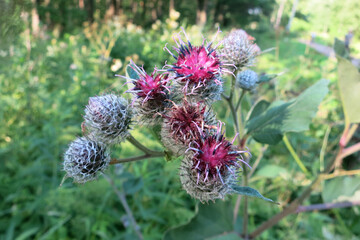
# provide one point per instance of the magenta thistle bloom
(149, 87)
(150, 93)
(211, 169)
(196, 66)
(214, 156)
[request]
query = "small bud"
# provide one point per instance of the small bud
(107, 119)
(247, 79)
(239, 49)
(84, 159)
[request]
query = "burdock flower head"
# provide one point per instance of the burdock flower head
(197, 69)
(239, 49)
(184, 123)
(150, 92)
(84, 159)
(107, 119)
(210, 169)
(247, 79)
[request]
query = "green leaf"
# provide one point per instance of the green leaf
(210, 220)
(281, 117)
(250, 192)
(26, 234)
(54, 228)
(349, 85)
(267, 77)
(258, 108)
(130, 72)
(341, 189)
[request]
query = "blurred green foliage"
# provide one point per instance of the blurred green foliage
(331, 19)
(45, 84)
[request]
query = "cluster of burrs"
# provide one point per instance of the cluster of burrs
(178, 98)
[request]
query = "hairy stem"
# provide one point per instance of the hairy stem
(288, 210)
(235, 118)
(245, 183)
(225, 96)
(137, 158)
(124, 203)
(240, 99)
(233, 80)
(257, 161)
(236, 208)
(350, 150)
(325, 206)
(323, 148)
(241, 142)
(351, 133)
(246, 215)
(141, 147)
(339, 174)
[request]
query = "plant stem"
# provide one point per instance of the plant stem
(241, 142)
(148, 152)
(350, 150)
(257, 161)
(339, 174)
(240, 99)
(235, 118)
(236, 208)
(232, 89)
(323, 148)
(295, 204)
(351, 133)
(239, 114)
(137, 158)
(294, 155)
(324, 206)
(141, 147)
(124, 203)
(246, 215)
(289, 210)
(245, 183)
(225, 96)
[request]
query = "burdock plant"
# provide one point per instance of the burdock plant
(176, 98)
(174, 101)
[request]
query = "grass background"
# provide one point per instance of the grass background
(44, 87)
